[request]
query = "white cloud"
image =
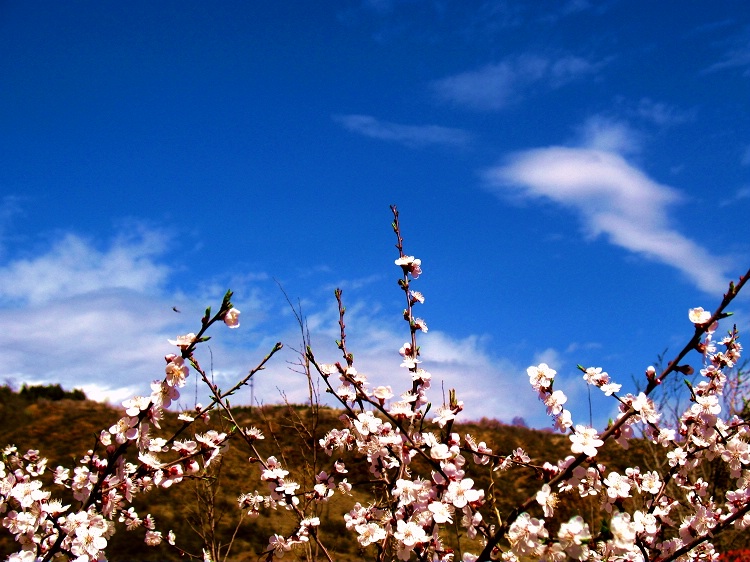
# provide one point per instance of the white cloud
(662, 114)
(496, 86)
(606, 134)
(108, 340)
(738, 57)
(73, 266)
(413, 136)
(611, 197)
(98, 318)
(549, 356)
(741, 194)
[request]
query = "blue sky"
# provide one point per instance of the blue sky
(573, 175)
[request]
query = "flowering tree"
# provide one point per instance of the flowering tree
(421, 499)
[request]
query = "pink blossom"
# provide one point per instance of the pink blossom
(273, 470)
(125, 429)
(383, 393)
(541, 376)
(623, 532)
(183, 342)
(176, 371)
(524, 534)
(279, 545)
(617, 485)
(547, 500)
(409, 355)
(232, 318)
(410, 265)
(572, 536)
(88, 541)
(698, 315)
(410, 534)
(554, 402)
(651, 482)
(462, 493)
(366, 423)
(564, 421)
(585, 440)
(29, 492)
(595, 376)
(610, 388)
(444, 415)
(645, 408)
(153, 538)
(441, 512)
(370, 533)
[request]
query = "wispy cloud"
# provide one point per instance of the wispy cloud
(610, 135)
(85, 317)
(73, 266)
(109, 344)
(380, 6)
(741, 194)
(662, 114)
(413, 136)
(737, 57)
(98, 316)
(612, 197)
(10, 209)
(496, 86)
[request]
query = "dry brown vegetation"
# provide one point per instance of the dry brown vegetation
(206, 510)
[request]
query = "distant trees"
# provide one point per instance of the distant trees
(52, 392)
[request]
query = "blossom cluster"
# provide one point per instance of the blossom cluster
(421, 495)
(671, 515)
(128, 460)
(644, 508)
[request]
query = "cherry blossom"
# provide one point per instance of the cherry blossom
(370, 533)
(547, 499)
(410, 265)
(416, 297)
(573, 535)
(232, 318)
(176, 370)
(541, 376)
(409, 355)
(585, 440)
(462, 493)
(524, 534)
(183, 342)
(554, 402)
(699, 316)
(383, 393)
(409, 533)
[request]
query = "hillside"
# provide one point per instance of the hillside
(63, 429)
